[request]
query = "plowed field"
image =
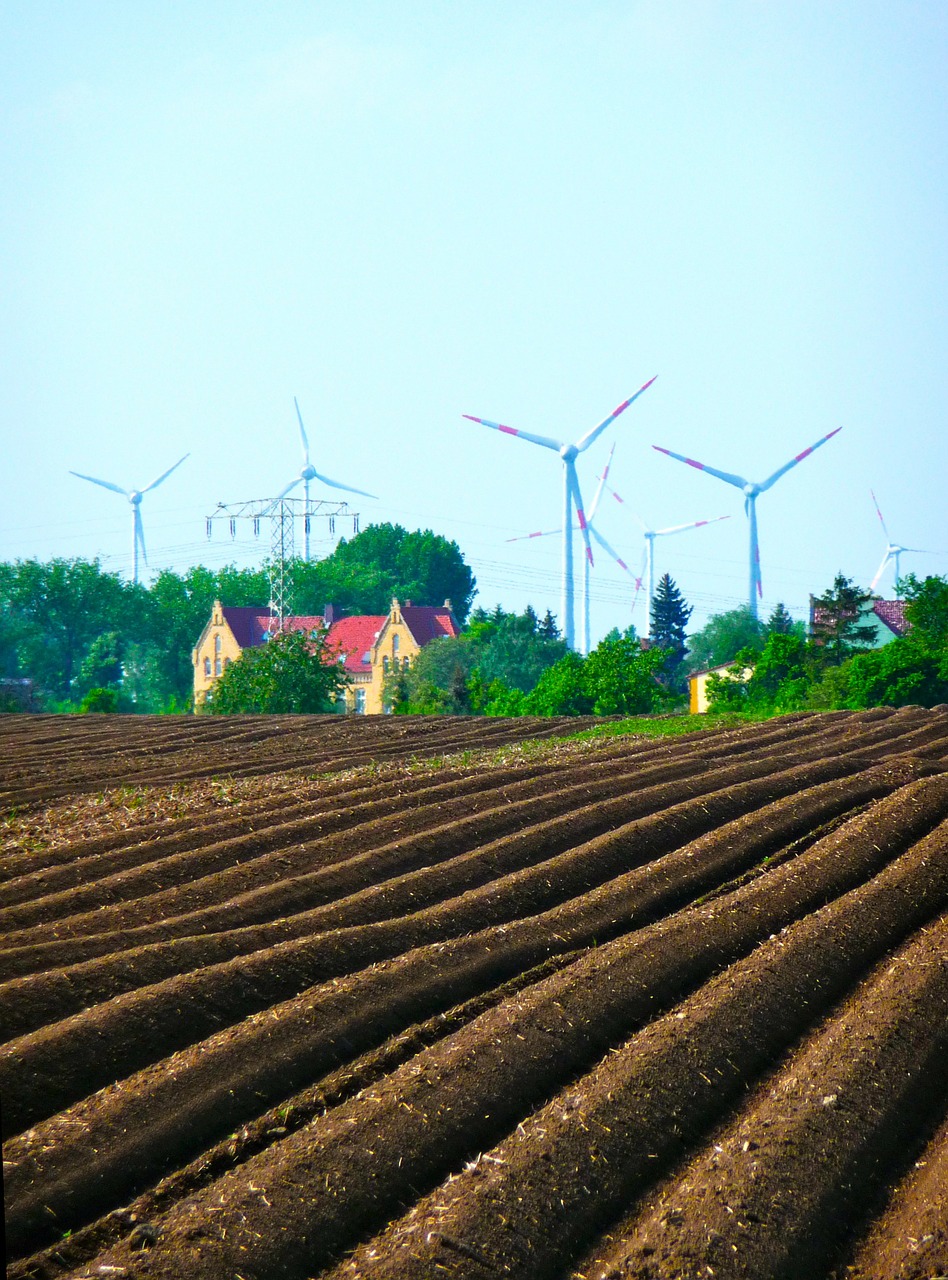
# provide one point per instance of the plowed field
(314, 997)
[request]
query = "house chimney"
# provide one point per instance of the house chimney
(329, 615)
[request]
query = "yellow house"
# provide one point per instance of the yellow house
(370, 646)
(698, 686)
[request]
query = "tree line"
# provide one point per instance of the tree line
(73, 628)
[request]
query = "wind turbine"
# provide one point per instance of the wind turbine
(591, 526)
(135, 498)
(650, 536)
(892, 552)
(571, 493)
(751, 490)
(307, 473)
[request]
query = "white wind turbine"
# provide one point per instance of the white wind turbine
(587, 561)
(892, 552)
(135, 498)
(307, 473)
(650, 536)
(751, 490)
(571, 493)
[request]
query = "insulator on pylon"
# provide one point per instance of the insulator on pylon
(306, 523)
(209, 524)
(233, 528)
(332, 524)
(256, 526)
(355, 524)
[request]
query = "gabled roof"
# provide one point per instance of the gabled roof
(429, 622)
(892, 613)
(355, 637)
(248, 623)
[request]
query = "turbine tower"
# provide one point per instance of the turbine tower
(751, 490)
(571, 493)
(135, 498)
(892, 552)
(307, 473)
(591, 526)
(650, 536)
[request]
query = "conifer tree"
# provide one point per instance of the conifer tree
(670, 616)
(836, 624)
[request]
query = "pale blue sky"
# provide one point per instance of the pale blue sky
(403, 213)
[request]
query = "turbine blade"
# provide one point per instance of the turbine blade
(545, 533)
(140, 533)
(881, 569)
(106, 484)
(284, 492)
(302, 433)
(335, 484)
(793, 461)
(585, 441)
(164, 476)
(738, 481)
(679, 528)
(546, 441)
(602, 484)
(608, 550)
(572, 481)
(879, 514)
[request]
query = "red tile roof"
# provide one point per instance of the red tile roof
(248, 623)
(428, 622)
(355, 637)
(892, 613)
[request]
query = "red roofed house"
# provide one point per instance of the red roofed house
(887, 617)
(370, 646)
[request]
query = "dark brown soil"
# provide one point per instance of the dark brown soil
(616, 1008)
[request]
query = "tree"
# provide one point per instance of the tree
(722, 637)
(292, 673)
(58, 609)
(420, 566)
(836, 626)
(620, 676)
(561, 690)
(670, 615)
(781, 623)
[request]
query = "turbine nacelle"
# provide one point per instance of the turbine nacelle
(135, 497)
(568, 452)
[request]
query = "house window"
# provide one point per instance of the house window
(405, 662)
(217, 666)
(395, 645)
(385, 664)
(207, 666)
(360, 702)
(217, 644)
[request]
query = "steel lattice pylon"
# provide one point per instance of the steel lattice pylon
(282, 514)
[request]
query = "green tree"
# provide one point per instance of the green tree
(722, 637)
(621, 677)
(781, 623)
(291, 674)
(670, 614)
(561, 690)
(56, 610)
(420, 566)
(837, 629)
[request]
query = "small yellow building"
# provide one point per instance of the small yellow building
(370, 646)
(698, 686)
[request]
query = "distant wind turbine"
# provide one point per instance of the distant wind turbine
(591, 526)
(650, 536)
(571, 493)
(135, 498)
(307, 473)
(751, 491)
(892, 552)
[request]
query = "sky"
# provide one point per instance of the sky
(401, 214)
